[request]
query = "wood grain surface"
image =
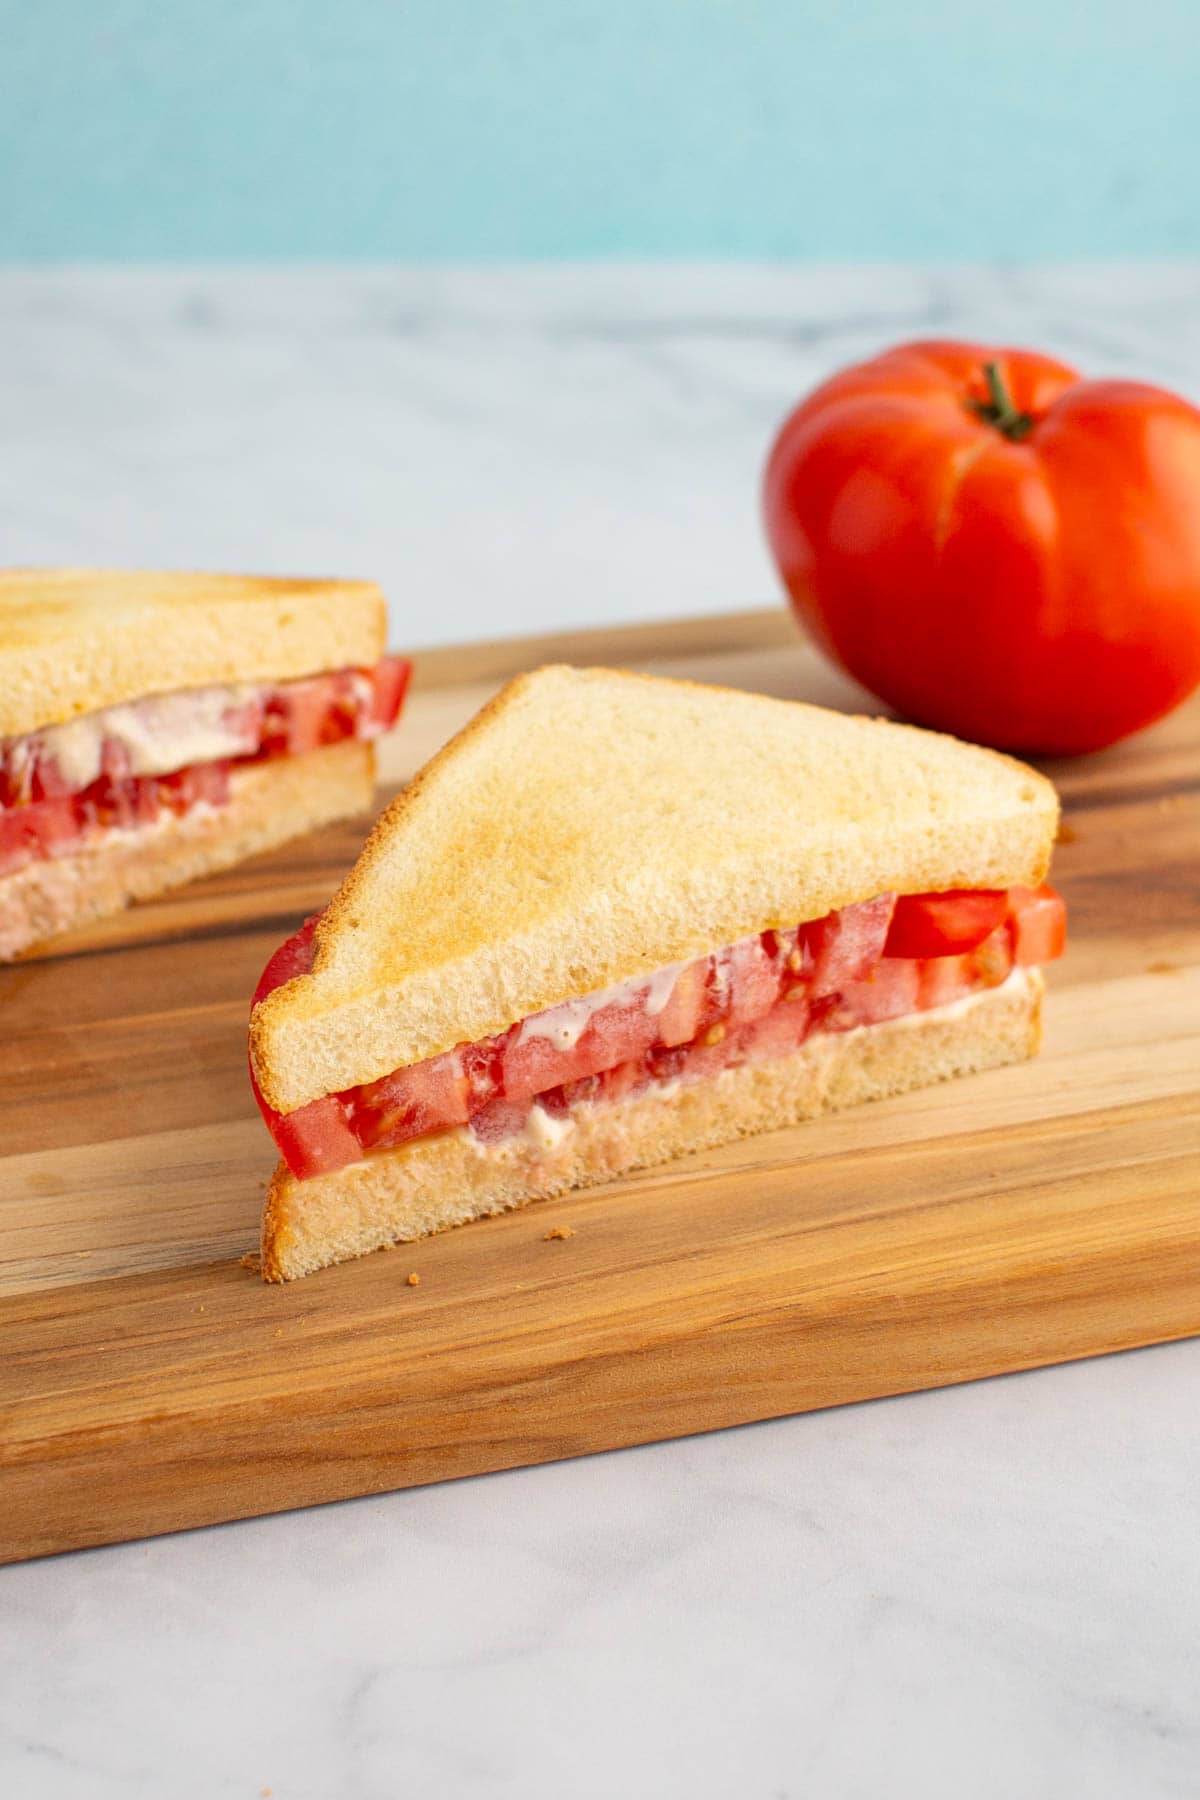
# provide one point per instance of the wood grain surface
(149, 1381)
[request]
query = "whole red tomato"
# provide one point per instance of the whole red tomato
(995, 546)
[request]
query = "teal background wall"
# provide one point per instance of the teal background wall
(204, 129)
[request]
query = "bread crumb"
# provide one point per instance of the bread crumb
(414, 1280)
(82, 1254)
(714, 1035)
(252, 1261)
(558, 1231)
(1162, 968)
(1066, 834)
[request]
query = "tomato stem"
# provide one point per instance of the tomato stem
(998, 409)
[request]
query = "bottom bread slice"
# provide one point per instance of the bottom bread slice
(269, 803)
(448, 1178)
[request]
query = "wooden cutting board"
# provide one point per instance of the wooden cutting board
(149, 1380)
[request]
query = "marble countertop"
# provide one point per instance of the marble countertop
(506, 450)
(988, 1591)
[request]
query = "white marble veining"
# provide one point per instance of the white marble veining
(992, 1591)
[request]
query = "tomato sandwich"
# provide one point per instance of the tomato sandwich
(156, 727)
(620, 918)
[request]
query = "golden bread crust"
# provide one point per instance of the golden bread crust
(589, 825)
(440, 1181)
(75, 640)
(270, 802)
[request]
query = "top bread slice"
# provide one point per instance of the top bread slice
(75, 640)
(590, 825)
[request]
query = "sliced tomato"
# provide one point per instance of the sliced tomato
(615, 1034)
(46, 829)
(56, 826)
(555, 1101)
(666, 1061)
(994, 958)
(18, 845)
(754, 981)
(483, 1066)
(296, 716)
(426, 1096)
(616, 1084)
(500, 1120)
(777, 1033)
(679, 1020)
(890, 990)
(293, 957)
(846, 945)
(945, 924)
(389, 682)
(1039, 924)
(560, 1099)
(945, 979)
(315, 1139)
(325, 709)
(145, 800)
(207, 782)
(534, 1061)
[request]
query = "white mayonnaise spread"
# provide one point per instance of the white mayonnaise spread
(363, 689)
(566, 1023)
(541, 1133)
(159, 734)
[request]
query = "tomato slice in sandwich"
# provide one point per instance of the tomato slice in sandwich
(946, 924)
(1039, 924)
(315, 1138)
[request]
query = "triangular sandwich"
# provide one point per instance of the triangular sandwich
(156, 727)
(620, 918)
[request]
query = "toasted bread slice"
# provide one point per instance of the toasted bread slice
(75, 640)
(435, 1182)
(269, 803)
(590, 825)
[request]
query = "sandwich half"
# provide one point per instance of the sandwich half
(620, 918)
(155, 727)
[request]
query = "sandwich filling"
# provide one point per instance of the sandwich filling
(882, 959)
(128, 767)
